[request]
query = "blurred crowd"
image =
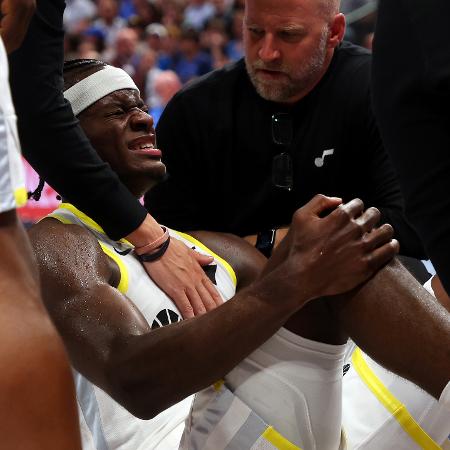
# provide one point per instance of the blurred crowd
(163, 44)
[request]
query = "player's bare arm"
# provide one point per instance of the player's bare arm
(35, 380)
(111, 343)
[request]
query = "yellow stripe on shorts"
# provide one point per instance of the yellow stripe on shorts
(392, 404)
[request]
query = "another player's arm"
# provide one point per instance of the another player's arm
(16, 16)
(35, 378)
(147, 371)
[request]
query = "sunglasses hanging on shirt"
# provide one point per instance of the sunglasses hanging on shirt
(282, 135)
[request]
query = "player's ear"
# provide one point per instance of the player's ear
(337, 30)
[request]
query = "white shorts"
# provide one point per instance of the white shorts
(12, 185)
(368, 405)
(369, 422)
(292, 384)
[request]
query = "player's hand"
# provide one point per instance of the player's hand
(180, 275)
(16, 15)
(329, 255)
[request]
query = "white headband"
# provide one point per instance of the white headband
(96, 86)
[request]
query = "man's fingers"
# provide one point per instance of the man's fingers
(382, 255)
(368, 220)
(346, 212)
(213, 291)
(207, 299)
(203, 260)
(181, 300)
(354, 208)
(195, 301)
(320, 203)
(379, 236)
(208, 292)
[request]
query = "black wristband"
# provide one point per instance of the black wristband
(151, 257)
(265, 241)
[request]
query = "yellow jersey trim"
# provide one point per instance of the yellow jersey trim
(124, 278)
(91, 223)
(123, 283)
(392, 404)
(277, 440)
(20, 196)
(218, 385)
(226, 265)
(87, 220)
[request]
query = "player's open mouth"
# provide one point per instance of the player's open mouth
(145, 145)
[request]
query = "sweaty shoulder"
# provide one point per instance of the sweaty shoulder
(67, 249)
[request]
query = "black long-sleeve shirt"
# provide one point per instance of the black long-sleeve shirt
(52, 140)
(216, 140)
(411, 92)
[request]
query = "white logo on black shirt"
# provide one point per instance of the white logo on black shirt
(319, 162)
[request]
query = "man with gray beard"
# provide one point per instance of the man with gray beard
(267, 133)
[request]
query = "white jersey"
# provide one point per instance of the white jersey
(106, 425)
(12, 184)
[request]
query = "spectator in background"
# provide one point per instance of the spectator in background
(108, 21)
(172, 13)
(221, 7)
(157, 38)
(191, 62)
(126, 55)
(198, 13)
(127, 9)
(145, 76)
(214, 39)
(166, 84)
(77, 14)
(235, 47)
(92, 40)
(155, 33)
(147, 12)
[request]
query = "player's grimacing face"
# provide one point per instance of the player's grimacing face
(122, 133)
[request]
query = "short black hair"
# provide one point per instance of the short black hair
(76, 69)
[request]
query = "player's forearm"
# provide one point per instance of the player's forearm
(148, 231)
(20, 265)
(154, 371)
(37, 383)
(16, 16)
(35, 368)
